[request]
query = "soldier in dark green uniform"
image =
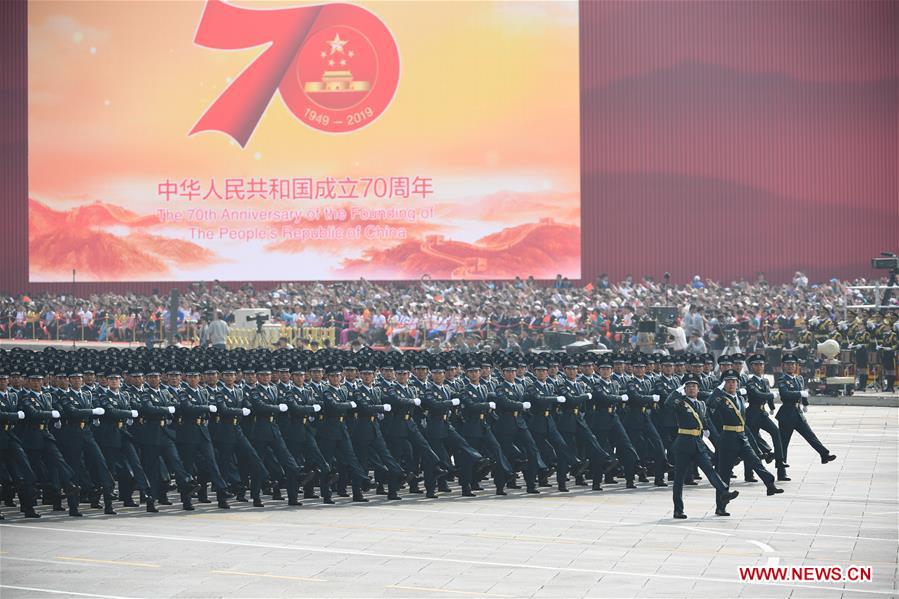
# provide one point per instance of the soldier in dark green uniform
(688, 447)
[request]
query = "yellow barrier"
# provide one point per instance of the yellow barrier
(249, 338)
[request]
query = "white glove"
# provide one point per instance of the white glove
(54, 414)
(805, 408)
(245, 411)
(353, 403)
(804, 394)
(213, 409)
(98, 411)
(316, 408)
(561, 399)
(387, 407)
(624, 397)
(492, 405)
(721, 386)
(134, 413)
(416, 401)
(742, 391)
(681, 389)
(706, 434)
(655, 398)
(526, 405)
(21, 415)
(455, 401)
(775, 393)
(589, 396)
(282, 407)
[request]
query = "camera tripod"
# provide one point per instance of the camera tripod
(259, 339)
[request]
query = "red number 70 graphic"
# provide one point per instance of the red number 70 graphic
(336, 66)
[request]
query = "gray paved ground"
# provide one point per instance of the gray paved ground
(615, 543)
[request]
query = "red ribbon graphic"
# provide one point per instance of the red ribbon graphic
(239, 108)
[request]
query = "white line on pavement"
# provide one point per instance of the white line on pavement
(476, 563)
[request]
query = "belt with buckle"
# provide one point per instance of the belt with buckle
(515, 414)
(120, 424)
(340, 418)
(372, 418)
(407, 417)
(41, 426)
(576, 411)
(271, 418)
(199, 421)
(611, 410)
(693, 432)
(162, 423)
(733, 429)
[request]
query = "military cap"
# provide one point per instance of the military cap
(690, 379)
(731, 373)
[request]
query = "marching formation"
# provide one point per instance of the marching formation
(91, 426)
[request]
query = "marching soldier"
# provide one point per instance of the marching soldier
(727, 406)
(12, 455)
(637, 423)
(511, 429)
(761, 398)
(607, 425)
(790, 416)
(40, 445)
(368, 441)
(573, 427)
(194, 409)
(477, 406)
(76, 438)
(439, 403)
(117, 442)
(688, 447)
(267, 440)
(159, 454)
(333, 437)
(542, 424)
(299, 422)
(233, 448)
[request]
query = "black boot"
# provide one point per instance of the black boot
(151, 506)
(107, 506)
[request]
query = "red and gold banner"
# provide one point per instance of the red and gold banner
(272, 140)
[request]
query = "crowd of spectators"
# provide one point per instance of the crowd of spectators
(436, 315)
